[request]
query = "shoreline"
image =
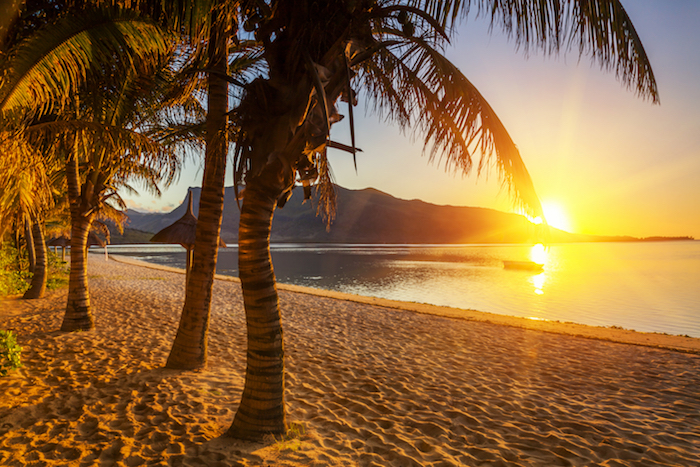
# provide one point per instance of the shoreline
(622, 336)
(365, 385)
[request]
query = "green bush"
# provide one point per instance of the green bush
(14, 277)
(9, 353)
(58, 272)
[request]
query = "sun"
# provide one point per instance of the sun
(556, 216)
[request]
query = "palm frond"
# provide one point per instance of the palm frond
(26, 187)
(114, 149)
(113, 215)
(432, 22)
(183, 16)
(351, 104)
(45, 70)
(325, 190)
(246, 60)
(601, 29)
(320, 93)
(425, 92)
(174, 132)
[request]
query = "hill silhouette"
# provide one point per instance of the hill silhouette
(371, 216)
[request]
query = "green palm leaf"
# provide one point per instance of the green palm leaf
(421, 89)
(599, 28)
(26, 186)
(46, 70)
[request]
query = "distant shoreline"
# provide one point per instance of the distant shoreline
(666, 239)
(139, 237)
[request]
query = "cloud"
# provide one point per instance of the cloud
(150, 207)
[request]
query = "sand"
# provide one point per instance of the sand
(368, 383)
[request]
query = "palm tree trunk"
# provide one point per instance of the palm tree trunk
(38, 285)
(262, 405)
(189, 349)
(78, 315)
(29, 242)
(16, 234)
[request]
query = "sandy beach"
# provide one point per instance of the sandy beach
(370, 383)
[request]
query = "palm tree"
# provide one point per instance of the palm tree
(215, 32)
(52, 188)
(115, 153)
(42, 65)
(27, 186)
(320, 52)
(189, 350)
(29, 242)
(37, 287)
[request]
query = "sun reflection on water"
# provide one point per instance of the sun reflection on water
(538, 282)
(538, 254)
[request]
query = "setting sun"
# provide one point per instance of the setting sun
(556, 216)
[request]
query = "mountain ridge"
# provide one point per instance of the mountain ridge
(363, 216)
(372, 216)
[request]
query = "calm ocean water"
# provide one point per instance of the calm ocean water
(651, 287)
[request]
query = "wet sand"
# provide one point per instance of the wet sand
(372, 382)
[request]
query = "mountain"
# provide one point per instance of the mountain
(364, 216)
(371, 216)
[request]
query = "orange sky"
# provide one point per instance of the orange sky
(615, 164)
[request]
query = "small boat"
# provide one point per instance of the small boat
(523, 265)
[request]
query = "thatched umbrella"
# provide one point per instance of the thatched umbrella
(61, 241)
(182, 232)
(64, 241)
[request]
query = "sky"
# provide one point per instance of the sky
(603, 160)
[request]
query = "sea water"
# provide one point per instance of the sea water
(645, 286)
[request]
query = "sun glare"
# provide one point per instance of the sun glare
(556, 216)
(538, 254)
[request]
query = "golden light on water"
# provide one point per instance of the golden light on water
(538, 254)
(538, 283)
